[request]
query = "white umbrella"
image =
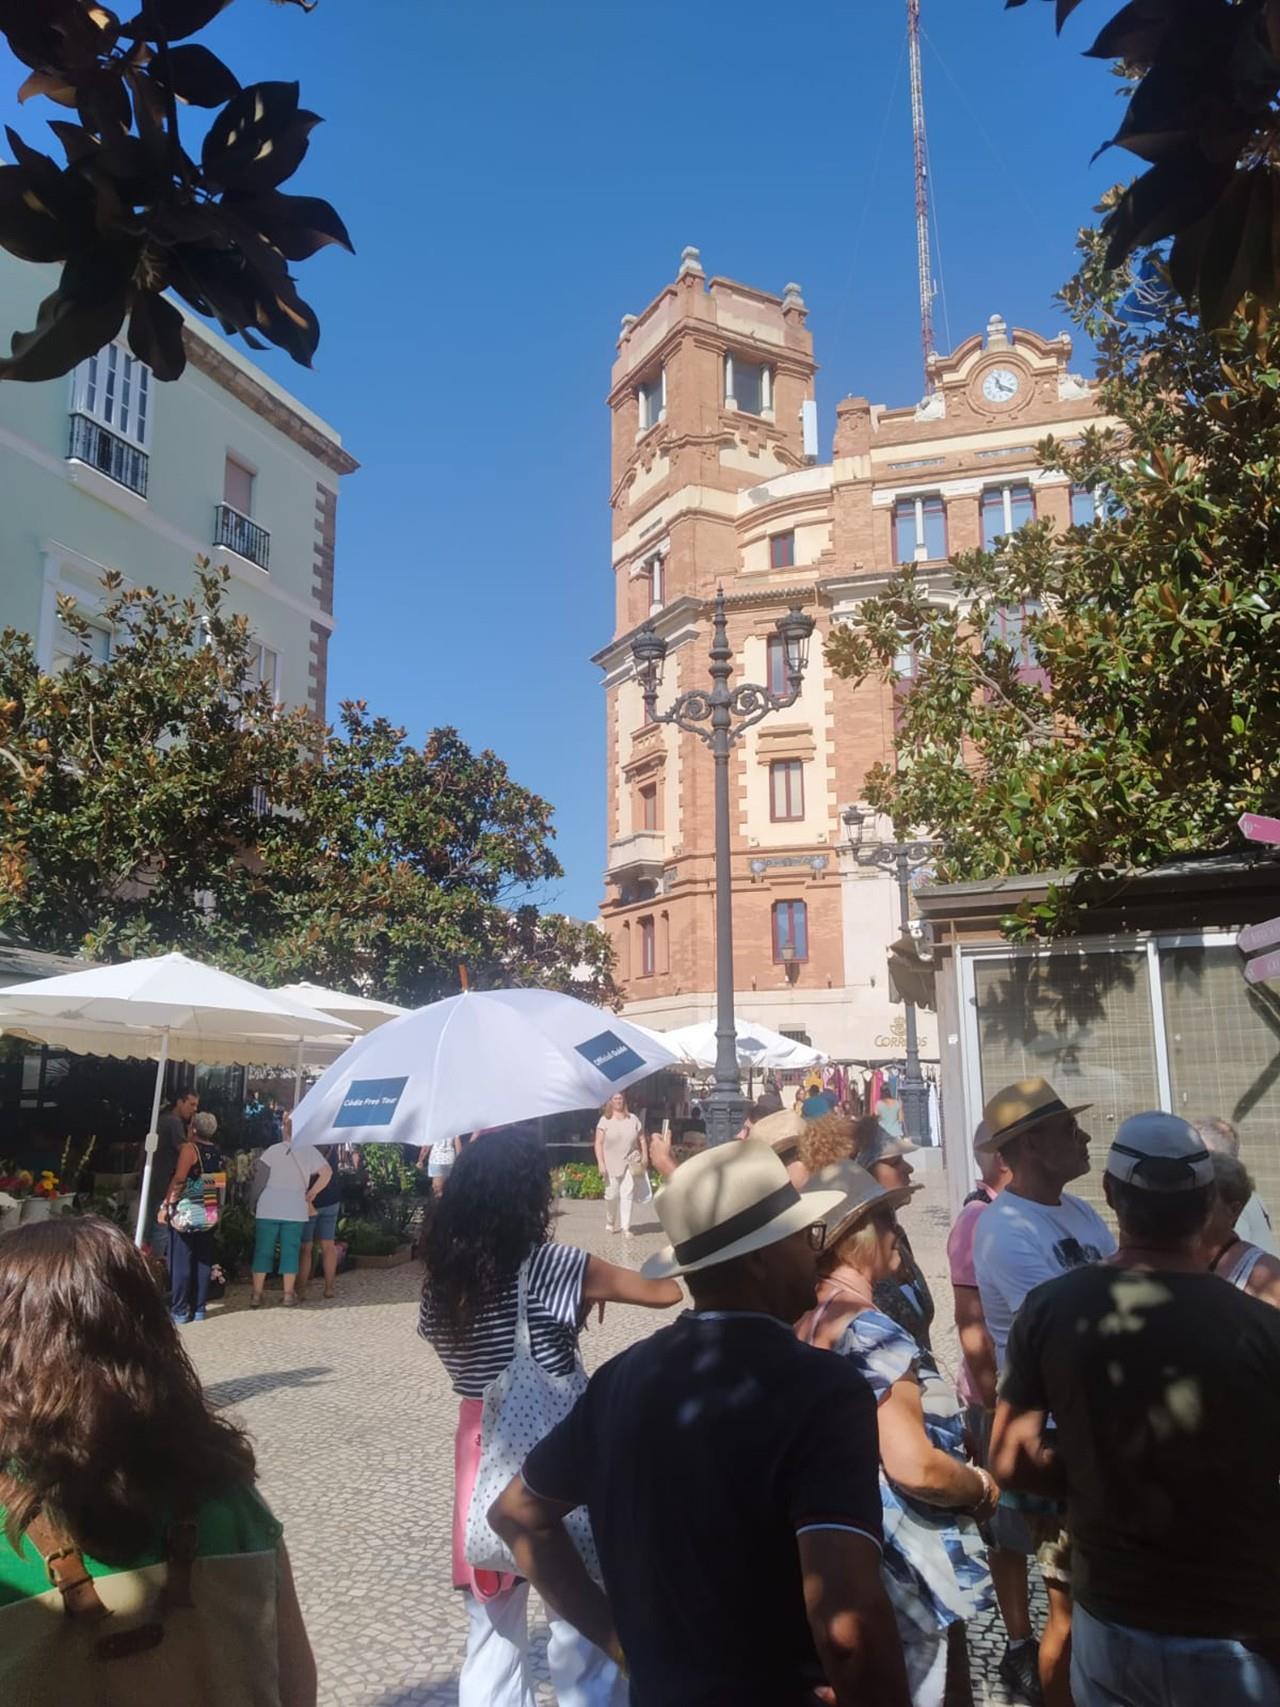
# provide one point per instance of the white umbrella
(485, 1058)
(152, 1008)
(360, 1014)
(758, 1046)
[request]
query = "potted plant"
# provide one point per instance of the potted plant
(372, 1246)
(15, 1188)
(38, 1206)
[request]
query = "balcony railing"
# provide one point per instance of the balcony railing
(99, 448)
(242, 536)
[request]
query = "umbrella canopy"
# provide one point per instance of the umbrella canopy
(360, 1014)
(154, 1008)
(757, 1046)
(169, 1003)
(485, 1058)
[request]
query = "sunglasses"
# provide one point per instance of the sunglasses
(817, 1235)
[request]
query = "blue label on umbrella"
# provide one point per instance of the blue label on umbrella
(609, 1055)
(370, 1102)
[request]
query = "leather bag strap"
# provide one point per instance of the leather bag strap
(64, 1563)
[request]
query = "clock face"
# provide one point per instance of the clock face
(1000, 386)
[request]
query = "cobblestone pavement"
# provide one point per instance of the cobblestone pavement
(353, 1423)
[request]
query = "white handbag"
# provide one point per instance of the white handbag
(521, 1405)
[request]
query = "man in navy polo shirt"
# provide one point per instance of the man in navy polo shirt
(730, 1473)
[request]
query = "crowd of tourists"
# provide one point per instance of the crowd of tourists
(776, 1500)
(294, 1195)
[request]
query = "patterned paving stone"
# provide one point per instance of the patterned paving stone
(352, 1420)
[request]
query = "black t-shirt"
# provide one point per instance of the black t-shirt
(332, 1193)
(1165, 1393)
(700, 1454)
(171, 1130)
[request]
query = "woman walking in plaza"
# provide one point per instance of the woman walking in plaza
(489, 1229)
(288, 1179)
(933, 1564)
(622, 1157)
(121, 1492)
(185, 1211)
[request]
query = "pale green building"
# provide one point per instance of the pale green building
(109, 469)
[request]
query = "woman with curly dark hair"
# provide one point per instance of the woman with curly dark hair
(492, 1222)
(126, 1503)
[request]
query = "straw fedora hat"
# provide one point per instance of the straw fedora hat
(1019, 1107)
(726, 1202)
(859, 1195)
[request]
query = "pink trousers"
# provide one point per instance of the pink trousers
(466, 1464)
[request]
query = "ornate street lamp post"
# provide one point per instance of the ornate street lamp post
(900, 858)
(719, 718)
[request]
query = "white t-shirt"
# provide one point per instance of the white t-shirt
(292, 1168)
(1018, 1244)
(621, 1138)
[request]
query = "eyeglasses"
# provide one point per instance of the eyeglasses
(817, 1235)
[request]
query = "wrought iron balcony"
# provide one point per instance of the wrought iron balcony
(98, 447)
(242, 536)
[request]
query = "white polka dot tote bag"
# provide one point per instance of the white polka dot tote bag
(521, 1405)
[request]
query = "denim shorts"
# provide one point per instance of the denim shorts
(1113, 1665)
(323, 1224)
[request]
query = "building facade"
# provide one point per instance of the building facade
(1149, 1009)
(109, 469)
(716, 481)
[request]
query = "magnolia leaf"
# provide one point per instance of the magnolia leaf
(172, 20)
(198, 76)
(155, 335)
(295, 225)
(49, 83)
(66, 332)
(32, 225)
(253, 118)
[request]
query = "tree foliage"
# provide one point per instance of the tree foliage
(1139, 714)
(132, 213)
(161, 800)
(1203, 113)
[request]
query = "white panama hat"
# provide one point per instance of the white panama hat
(728, 1201)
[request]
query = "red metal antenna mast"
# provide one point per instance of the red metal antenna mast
(924, 259)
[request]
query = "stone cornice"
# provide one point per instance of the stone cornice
(265, 404)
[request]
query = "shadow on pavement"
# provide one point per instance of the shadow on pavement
(248, 1386)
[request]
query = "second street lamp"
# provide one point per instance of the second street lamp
(720, 718)
(900, 858)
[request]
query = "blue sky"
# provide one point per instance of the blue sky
(515, 178)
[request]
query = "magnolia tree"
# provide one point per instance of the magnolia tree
(135, 208)
(1203, 113)
(162, 800)
(1108, 698)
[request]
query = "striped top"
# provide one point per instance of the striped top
(556, 1277)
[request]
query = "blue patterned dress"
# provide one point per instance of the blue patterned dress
(934, 1564)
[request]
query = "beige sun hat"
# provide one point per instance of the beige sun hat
(859, 1195)
(782, 1129)
(1019, 1107)
(728, 1201)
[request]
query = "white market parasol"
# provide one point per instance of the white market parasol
(152, 1009)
